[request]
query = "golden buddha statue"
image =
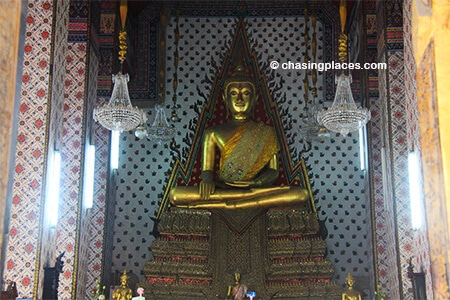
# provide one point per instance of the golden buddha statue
(239, 290)
(350, 293)
(248, 159)
(123, 292)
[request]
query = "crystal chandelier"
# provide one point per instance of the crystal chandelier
(160, 130)
(315, 132)
(343, 116)
(174, 116)
(119, 114)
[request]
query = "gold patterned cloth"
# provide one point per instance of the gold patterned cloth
(247, 152)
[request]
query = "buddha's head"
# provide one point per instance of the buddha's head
(124, 278)
(350, 280)
(240, 94)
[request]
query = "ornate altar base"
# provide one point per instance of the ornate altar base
(278, 253)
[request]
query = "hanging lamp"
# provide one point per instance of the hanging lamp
(119, 115)
(343, 116)
(161, 130)
(312, 131)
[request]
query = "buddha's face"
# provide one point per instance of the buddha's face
(350, 281)
(123, 280)
(240, 98)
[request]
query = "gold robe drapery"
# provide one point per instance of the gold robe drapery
(247, 152)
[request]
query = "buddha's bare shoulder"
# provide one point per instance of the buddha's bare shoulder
(219, 130)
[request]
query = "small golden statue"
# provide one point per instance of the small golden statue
(123, 292)
(350, 293)
(248, 163)
(239, 291)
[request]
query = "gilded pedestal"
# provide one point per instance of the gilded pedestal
(277, 252)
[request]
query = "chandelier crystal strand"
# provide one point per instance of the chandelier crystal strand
(343, 116)
(119, 114)
(314, 53)
(306, 109)
(161, 130)
(321, 133)
(313, 131)
(174, 116)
